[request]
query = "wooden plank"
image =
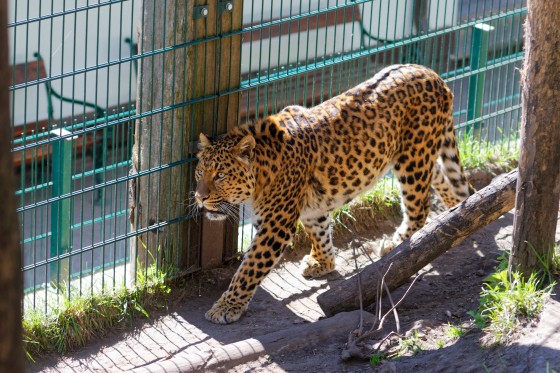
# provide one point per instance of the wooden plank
(37, 154)
(27, 72)
(313, 22)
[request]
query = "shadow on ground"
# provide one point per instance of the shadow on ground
(448, 289)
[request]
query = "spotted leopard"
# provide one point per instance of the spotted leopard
(303, 163)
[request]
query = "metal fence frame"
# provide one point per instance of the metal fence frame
(87, 159)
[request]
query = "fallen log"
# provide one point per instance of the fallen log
(224, 357)
(441, 234)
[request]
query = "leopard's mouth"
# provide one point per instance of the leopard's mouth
(215, 215)
(219, 211)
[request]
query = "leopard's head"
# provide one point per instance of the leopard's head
(224, 174)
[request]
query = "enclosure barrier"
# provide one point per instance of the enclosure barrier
(103, 120)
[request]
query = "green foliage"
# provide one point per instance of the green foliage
(509, 298)
(410, 345)
(455, 332)
(555, 265)
(383, 201)
(375, 359)
(80, 318)
(499, 156)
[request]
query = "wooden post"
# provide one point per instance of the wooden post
(11, 281)
(218, 65)
(162, 138)
(167, 79)
(538, 187)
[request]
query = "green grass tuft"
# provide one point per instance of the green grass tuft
(375, 359)
(509, 299)
(410, 345)
(455, 332)
(80, 318)
(381, 203)
(497, 157)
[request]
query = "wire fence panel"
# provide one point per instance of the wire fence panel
(108, 98)
(73, 89)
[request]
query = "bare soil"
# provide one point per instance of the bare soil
(447, 289)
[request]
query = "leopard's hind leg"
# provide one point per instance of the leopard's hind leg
(449, 180)
(414, 178)
(321, 259)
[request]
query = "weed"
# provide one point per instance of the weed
(383, 202)
(375, 359)
(440, 343)
(80, 318)
(455, 332)
(410, 345)
(507, 299)
(476, 154)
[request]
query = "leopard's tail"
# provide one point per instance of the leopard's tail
(449, 179)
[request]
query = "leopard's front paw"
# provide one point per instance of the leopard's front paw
(223, 312)
(311, 267)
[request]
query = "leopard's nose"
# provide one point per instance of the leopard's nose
(200, 198)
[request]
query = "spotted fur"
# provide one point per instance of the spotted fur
(304, 163)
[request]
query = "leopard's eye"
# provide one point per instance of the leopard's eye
(220, 175)
(198, 173)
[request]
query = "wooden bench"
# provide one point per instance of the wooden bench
(31, 71)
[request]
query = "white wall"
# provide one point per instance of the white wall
(86, 38)
(75, 41)
(283, 50)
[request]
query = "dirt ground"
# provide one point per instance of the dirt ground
(446, 291)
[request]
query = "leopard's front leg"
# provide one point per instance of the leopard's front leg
(265, 251)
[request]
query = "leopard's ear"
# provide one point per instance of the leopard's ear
(244, 149)
(204, 141)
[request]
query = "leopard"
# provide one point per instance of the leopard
(302, 163)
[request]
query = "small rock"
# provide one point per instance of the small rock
(480, 273)
(448, 313)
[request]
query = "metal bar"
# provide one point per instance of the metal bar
(478, 60)
(61, 209)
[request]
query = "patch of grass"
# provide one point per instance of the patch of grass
(497, 157)
(382, 202)
(509, 299)
(555, 262)
(80, 318)
(375, 359)
(455, 332)
(410, 345)
(440, 343)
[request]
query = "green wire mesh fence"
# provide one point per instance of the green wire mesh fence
(107, 98)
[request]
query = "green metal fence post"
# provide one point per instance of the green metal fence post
(478, 59)
(61, 210)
